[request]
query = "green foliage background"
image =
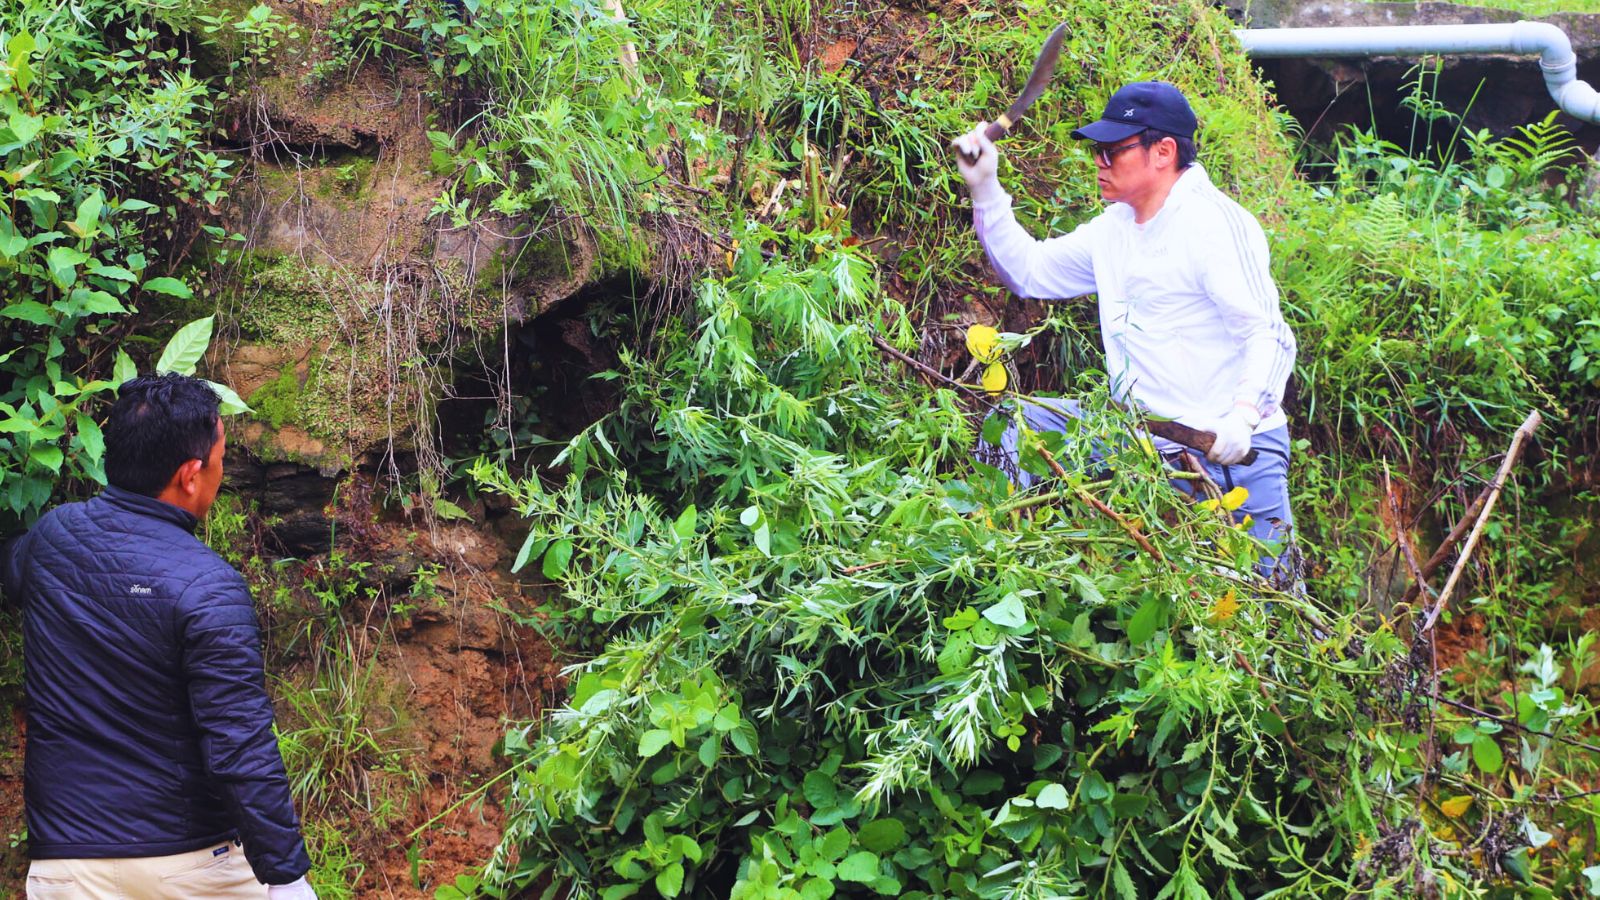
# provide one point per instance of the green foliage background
(833, 661)
(824, 653)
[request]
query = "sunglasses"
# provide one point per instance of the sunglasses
(1105, 154)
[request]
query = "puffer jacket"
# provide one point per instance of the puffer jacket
(149, 725)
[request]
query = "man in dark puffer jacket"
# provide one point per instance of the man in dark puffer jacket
(150, 752)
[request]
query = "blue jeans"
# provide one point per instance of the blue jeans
(1266, 480)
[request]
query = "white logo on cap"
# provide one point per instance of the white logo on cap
(1128, 114)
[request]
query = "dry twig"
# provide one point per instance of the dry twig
(1517, 440)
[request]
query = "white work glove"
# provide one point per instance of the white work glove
(982, 174)
(294, 890)
(1233, 433)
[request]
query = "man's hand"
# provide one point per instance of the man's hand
(295, 890)
(1233, 433)
(978, 160)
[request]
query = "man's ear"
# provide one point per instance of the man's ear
(185, 478)
(1169, 150)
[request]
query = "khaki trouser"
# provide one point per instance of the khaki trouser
(220, 872)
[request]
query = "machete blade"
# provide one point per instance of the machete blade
(1044, 66)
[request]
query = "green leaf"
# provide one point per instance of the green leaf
(115, 273)
(887, 886)
(448, 511)
(532, 546)
(1144, 622)
(763, 539)
(64, 263)
(88, 217)
(1088, 590)
(961, 619)
(1008, 613)
(653, 742)
(1593, 874)
(1051, 796)
(994, 428)
(882, 835)
(90, 436)
(123, 370)
(11, 243)
(956, 654)
(556, 559)
(684, 526)
(834, 844)
(1122, 881)
(24, 126)
(1486, 753)
(47, 455)
(619, 891)
(860, 867)
(686, 846)
(744, 738)
(98, 303)
(187, 346)
(19, 48)
(727, 718)
(669, 881)
(169, 286)
(29, 311)
(233, 404)
(819, 790)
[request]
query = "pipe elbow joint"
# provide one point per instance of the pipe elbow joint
(1579, 99)
(1549, 41)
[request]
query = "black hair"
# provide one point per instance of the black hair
(1186, 151)
(158, 423)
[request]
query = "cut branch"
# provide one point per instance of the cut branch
(1448, 544)
(1517, 442)
(1104, 510)
(926, 370)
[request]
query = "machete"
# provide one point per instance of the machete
(1043, 67)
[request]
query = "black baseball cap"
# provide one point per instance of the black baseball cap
(1138, 106)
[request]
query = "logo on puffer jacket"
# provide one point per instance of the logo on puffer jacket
(140, 590)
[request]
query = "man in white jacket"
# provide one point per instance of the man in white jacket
(1189, 313)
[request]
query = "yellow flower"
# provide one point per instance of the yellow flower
(1235, 498)
(994, 378)
(1225, 608)
(981, 343)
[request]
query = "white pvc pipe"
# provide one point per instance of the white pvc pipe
(1556, 58)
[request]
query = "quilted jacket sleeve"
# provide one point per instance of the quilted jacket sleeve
(233, 717)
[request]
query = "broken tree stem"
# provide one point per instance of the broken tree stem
(1448, 544)
(922, 367)
(1517, 441)
(1104, 510)
(1421, 579)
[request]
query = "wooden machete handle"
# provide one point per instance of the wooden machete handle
(994, 132)
(1192, 438)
